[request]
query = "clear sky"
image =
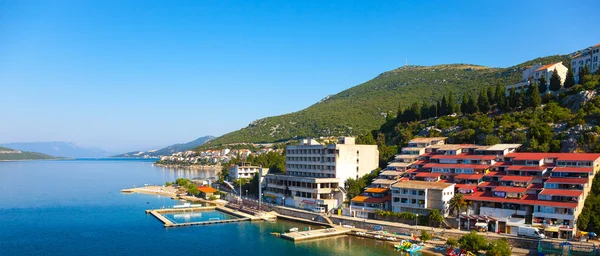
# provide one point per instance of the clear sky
(128, 75)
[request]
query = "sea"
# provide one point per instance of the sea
(74, 207)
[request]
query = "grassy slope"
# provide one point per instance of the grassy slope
(23, 155)
(360, 108)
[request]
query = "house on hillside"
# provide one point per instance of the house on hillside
(207, 192)
(535, 73)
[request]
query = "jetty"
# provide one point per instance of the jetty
(315, 234)
(240, 216)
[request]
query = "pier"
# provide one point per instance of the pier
(241, 216)
(314, 234)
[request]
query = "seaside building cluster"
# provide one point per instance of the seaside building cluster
(502, 187)
(215, 156)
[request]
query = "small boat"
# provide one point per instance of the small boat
(391, 238)
(293, 230)
(378, 237)
(275, 234)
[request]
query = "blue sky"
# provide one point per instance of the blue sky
(127, 75)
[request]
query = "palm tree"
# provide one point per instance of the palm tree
(436, 217)
(457, 203)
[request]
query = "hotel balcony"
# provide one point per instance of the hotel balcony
(557, 216)
(500, 213)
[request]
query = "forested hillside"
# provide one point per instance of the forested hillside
(365, 107)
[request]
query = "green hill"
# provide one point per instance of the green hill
(8, 154)
(364, 107)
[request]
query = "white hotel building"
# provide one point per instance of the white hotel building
(316, 173)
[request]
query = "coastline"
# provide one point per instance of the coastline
(192, 167)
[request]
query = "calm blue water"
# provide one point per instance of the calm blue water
(75, 208)
(197, 216)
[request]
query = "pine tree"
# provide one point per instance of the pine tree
(536, 99)
(451, 104)
(443, 105)
(570, 78)
(464, 105)
(473, 108)
(543, 84)
(490, 95)
(555, 81)
(483, 103)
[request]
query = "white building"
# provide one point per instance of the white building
(589, 56)
(420, 197)
(316, 173)
(245, 171)
(535, 73)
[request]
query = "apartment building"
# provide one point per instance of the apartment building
(245, 171)
(535, 73)
(316, 173)
(588, 57)
(420, 197)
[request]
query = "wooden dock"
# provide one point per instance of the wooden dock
(315, 234)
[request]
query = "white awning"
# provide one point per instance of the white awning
(481, 224)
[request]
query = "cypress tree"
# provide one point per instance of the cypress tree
(536, 99)
(425, 113)
(472, 104)
(570, 78)
(585, 71)
(483, 103)
(451, 104)
(464, 105)
(499, 95)
(555, 81)
(416, 111)
(399, 113)
(521, 99)
(490, 95)
(543, 84)
(513, 98)
(443, 105)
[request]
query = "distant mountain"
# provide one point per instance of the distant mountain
(170, 149)
(8, 154)
(58, 148)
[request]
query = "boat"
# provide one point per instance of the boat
(186, 205)
(408, 246)
(293, 230)
(275, 234)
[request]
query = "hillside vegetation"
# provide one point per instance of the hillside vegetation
(21, 155)
(365, 107)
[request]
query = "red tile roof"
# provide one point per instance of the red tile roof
(464, 156)
(429, 174)
(465, 186)
(488, 184)
(517, 178)
(510, 189)
(562, 192)
(546, 66)
(568, 180)
(462, 166)
(559, 156)
(373, 200)
(469, 176)
(573, 169)
(495, 173)
(526, 168)
(376, 190)
(205, 189)
(555, 204)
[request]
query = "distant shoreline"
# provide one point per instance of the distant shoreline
(194, 167)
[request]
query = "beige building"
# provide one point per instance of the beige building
(535, 73)
(420, 197)
(316, 173)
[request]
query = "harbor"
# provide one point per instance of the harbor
(314, 234)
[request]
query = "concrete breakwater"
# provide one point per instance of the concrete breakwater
(192, 167)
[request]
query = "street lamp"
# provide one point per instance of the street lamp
(246, 193)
